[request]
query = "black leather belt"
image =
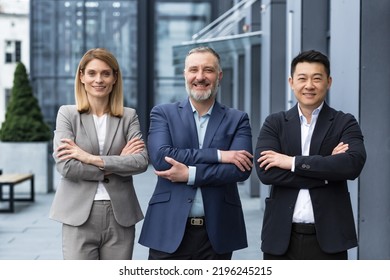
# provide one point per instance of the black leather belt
(195, 221)
(304, 228)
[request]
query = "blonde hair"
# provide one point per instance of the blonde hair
(115, 107)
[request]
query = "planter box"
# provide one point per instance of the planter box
(28, 157)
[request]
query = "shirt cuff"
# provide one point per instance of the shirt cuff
(219, 156)
(191, 175)
(293, 165)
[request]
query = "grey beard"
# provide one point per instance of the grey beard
(201, 95)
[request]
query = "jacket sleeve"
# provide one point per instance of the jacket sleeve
(270, 138)
(160, 144)
(225, 173)
(209, 170)
(114, 163)
(315, 170)
(344, 166)
(128, 165)
(71, 168)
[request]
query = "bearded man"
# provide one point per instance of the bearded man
(200, 149)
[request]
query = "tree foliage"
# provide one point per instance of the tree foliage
(23, 120)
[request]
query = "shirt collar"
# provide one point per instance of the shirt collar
(315, 113)
(208, 112)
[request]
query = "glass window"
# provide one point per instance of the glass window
(63, 30)
(18, 46)
(8, 52)
(175, 23)
(12, 51)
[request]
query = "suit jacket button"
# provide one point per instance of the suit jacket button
(189, 200)
(106, 180)
(303, 166)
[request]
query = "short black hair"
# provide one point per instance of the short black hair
(311, 56)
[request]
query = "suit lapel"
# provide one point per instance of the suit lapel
(215, 120)
(112, 127)
(323, 124)
(90, 130)
(293, 130)
(188, 123)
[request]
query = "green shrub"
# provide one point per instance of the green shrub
(23, 119)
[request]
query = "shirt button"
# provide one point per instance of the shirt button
(106, 180)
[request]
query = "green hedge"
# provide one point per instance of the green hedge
(23, 120)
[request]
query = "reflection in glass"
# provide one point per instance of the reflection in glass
(175, 23)
(62, 31)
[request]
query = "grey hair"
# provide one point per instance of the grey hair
(205, 49)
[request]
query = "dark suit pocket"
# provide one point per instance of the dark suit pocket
(269, 202)
(160, 198)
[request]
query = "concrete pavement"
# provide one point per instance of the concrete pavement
(28, 233)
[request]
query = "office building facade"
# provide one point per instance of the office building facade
(139, 33)
(257, 40)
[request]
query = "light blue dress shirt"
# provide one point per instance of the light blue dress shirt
(201, 122)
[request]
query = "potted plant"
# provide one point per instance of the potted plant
(25, 137)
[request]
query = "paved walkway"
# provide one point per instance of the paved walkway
(28, 233)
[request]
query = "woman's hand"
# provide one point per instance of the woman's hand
(134, 146)
(69, 150)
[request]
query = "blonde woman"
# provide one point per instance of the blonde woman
(98, 147)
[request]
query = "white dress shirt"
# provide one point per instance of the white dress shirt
(101, 128)
(303, 211)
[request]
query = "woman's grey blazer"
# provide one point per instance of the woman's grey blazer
(79, 181)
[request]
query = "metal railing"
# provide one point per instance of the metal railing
(226, 24)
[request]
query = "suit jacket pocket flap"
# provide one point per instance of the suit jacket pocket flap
(160, 197)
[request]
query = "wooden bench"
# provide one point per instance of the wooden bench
(11, 180)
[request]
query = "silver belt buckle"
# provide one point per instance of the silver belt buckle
(197, 221)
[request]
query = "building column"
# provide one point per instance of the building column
(374, 191)
(273, 63)
(145, 64)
